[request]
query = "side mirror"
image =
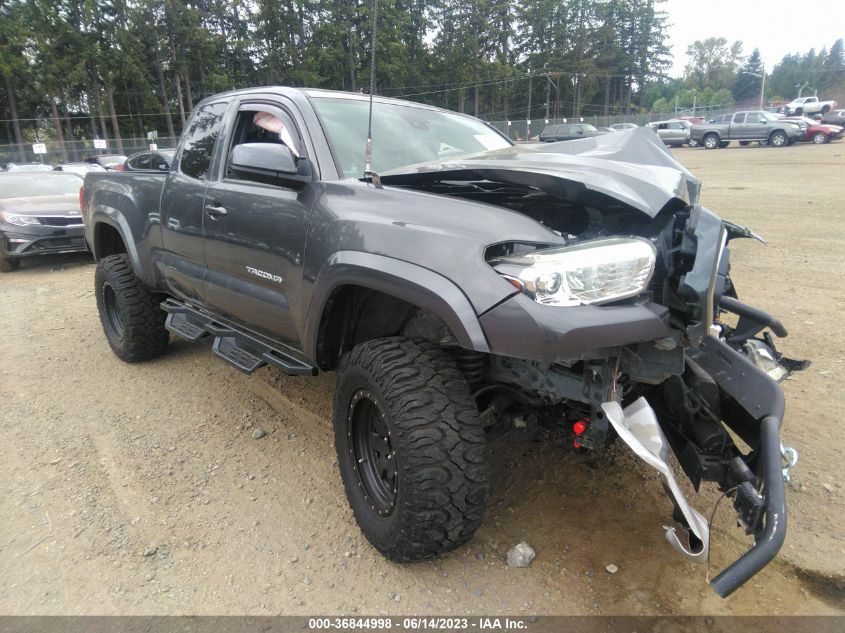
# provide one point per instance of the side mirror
(263, 158)
(163, 167)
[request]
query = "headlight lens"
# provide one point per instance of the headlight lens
(18, 220)
(594, 271)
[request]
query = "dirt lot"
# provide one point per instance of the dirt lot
(140, 490)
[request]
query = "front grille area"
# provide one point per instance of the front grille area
(60, 220)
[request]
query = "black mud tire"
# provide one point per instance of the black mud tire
(9, 264)
(414, 390)
(129, 312)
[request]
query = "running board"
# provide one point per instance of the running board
(242, 351)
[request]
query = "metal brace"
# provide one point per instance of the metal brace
(790, 457)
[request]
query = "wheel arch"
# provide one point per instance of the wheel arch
(393, 285)
(110, 238)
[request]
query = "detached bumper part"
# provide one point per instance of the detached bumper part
(757, 420)
(637, 426)
(769, 543)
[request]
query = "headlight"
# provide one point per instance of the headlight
(18, 220)
(594, 271)
(795, 125)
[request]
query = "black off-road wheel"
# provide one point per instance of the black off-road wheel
(410, 448)
(130, 313)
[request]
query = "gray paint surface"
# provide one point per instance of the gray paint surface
(428, 248)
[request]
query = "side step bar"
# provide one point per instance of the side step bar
(242, 351)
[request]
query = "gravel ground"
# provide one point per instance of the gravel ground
(146, 489)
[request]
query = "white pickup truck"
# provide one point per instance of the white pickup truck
(808, 105)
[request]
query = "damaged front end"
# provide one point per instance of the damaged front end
(627, 324)
(691, 389)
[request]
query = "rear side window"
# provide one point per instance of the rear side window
(195, 159)
(739, 118)
(140, 162)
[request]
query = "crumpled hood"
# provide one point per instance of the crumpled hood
(632, 166)
(62, 204)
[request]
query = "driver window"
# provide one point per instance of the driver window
(264, 124)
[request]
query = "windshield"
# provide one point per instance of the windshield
(33, 186)
(402, 134)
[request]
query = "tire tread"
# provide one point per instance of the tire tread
(440, 443)
(144, 334)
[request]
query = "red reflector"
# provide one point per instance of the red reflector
(576, 444)
(579, 427)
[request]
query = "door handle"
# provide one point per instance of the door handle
(215, 212)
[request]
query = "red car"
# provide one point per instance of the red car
(818, 132)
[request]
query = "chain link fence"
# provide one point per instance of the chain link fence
(78, 151)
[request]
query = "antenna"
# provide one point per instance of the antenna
(368, 151)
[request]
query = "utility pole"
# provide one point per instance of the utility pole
(528, 117)
(557, 97)
(548, 95)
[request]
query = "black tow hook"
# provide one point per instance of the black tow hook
(767, 546)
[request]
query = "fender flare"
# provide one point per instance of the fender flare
(118, 223)
(416, 285)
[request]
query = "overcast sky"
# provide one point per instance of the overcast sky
(775, 27)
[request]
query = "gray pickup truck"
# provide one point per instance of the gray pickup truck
(745, 127)
(459, 286)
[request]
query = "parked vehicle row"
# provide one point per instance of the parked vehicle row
(148, 160)
(763, 127)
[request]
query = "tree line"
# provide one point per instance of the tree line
(113, 69)
(77, 69)
(718, 76)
